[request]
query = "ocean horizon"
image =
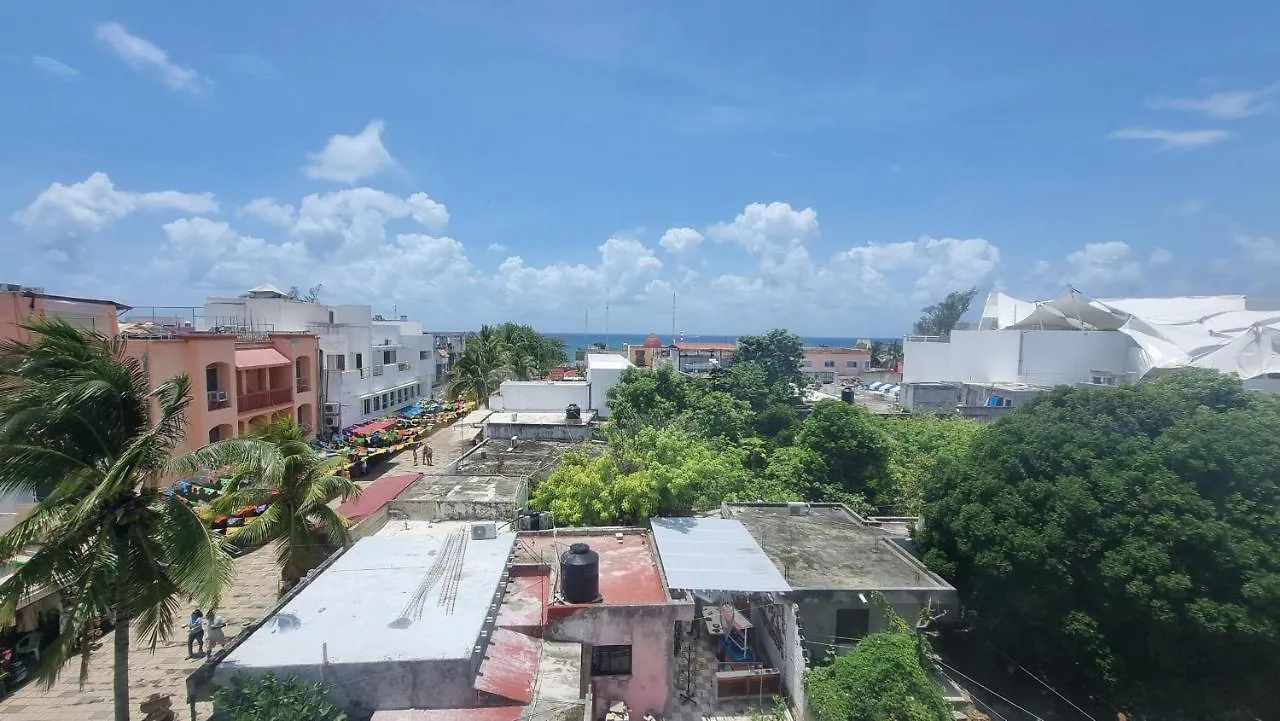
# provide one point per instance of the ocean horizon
(578, 341)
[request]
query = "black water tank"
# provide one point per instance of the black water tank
(573, 412)
(846, 394)
(580, 574)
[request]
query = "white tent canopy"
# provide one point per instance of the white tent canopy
(1229, 333)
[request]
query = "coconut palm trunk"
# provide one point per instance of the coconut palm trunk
(80, 425)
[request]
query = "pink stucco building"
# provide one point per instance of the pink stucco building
(236, 381)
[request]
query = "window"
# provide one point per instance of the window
(386, 400)
(851, 364)
(368, 407)
(828, 364)
(1104, 379)
(852, 624)
(211, 379)
(330, 317)
(610, 660)
(422, 355)
(359, 360)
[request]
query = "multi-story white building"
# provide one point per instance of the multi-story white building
(370, 366)
(1020, 348)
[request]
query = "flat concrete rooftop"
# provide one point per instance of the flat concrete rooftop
(537, 418)
(832, 549)
(492, 458)
(496, 489)
(370, 605)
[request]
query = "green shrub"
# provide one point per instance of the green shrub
(269, 698)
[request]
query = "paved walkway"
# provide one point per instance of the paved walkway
(253, 592)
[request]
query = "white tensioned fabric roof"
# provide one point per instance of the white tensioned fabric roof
(713, 554)
(1219, 332)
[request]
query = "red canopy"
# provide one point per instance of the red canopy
(376, 495)
(374, 427)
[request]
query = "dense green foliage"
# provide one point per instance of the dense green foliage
(79, 424)
(678, 444)
(941, 318)
(778, 353)
(1136, 530)
(498, 353)
(276, 465)
(655, 470)
(270, 698)
(884, 678)
(916, 446)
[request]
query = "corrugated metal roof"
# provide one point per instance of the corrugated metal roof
(713, 554)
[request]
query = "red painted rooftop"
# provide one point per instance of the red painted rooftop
(629, 572)
(376, 495)
(510, 666)
(490, 713)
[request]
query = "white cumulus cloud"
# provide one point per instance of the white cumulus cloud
(762, 225)
(1100, 265)
(269, 210)
(143, 55)
(680, 240)
(95, 203)
(350, 158)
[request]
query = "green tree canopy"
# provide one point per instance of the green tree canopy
(850, 442)
(941, 318)
(276, 465)
(886, 677)
(654, 471)
(778, 353)
(80, 423)
(1137, 530)
(271, 698)
(916, 448)
(648, 397)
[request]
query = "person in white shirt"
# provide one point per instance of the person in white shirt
(216, 633)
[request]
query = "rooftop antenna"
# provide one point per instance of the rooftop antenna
(673, 316)
(586, 328)
(606, 320)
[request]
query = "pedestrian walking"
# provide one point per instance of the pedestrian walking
(427, 454)
(216, 626)
(195, 633)
(415, 453)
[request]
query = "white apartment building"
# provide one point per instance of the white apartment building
(1022, 347)
(371, 366)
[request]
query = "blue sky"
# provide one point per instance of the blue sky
(826, 166)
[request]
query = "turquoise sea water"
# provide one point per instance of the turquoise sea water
(575, 341)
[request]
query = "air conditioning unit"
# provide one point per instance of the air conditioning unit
(333, 408)
(331, 422)
(798, 508)
(217, 396)
(484, 530)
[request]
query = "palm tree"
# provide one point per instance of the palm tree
(80, 426)
(480, 369)
(276, 466)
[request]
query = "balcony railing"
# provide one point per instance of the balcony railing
(218, 400)
(263, 399)
(304, 385)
